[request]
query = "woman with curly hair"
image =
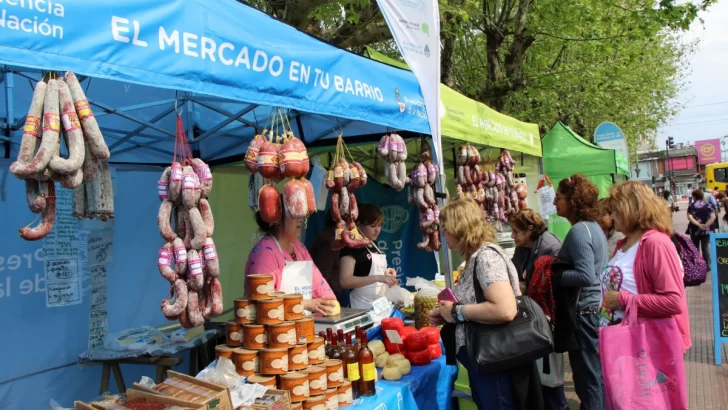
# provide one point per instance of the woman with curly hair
(584, 253)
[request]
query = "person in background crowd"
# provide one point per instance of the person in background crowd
(364, 270)
(646, 268)
(607, 224)
(669, 201)
(467, 231)
(585, 250)
(701, 216)
(327, 259)
(533, 240)
(723, 203)
(710, 198)
(281, 254)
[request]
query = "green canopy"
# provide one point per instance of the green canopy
(469, 120)
(566, 153)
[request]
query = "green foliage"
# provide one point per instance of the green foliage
(579, 61)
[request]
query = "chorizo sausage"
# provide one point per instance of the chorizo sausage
(268, 160)
(330, 183)
(163, 221)
(401, 149)
(72, 180)
(355, 181)
(209, 252)
(338, 178)
(178, 303)
(204, 175)
(91, 167)
(425, 241)
(49, 142)
(335, 207)
(206, 212)
(193, 308)
(164, 262)
(72, 133)
(36, 201)
(346, 171)
(420, 198)
(303, 153)
(393, 176)
(429, 195)
(419, 175)
(175, 182)
(31, 129)
(352, 238)
(180, 257)
(184, 320)
(91, 131)
(251, 155)
(269, 201)
(80, 204)
(467, 173)
(310, 196)
(294, 199)
(344, 206)
(354, 209)
(362, 174)
(431, 172)
(393, 147)
(401, 175)
(383, 148)
(216, 296)
(162, 184)
(461, 154)
(190, 188)
(290, 159)
(195, 278)
(435, 241)
(199, 230)
(48, 217)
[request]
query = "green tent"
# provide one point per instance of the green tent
(566, 153)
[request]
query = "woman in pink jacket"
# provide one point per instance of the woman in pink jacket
(645, 267)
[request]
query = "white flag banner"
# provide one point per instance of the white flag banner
(415, 25)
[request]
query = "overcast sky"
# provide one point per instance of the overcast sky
(706, 96)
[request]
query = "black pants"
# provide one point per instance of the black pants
(702, 242)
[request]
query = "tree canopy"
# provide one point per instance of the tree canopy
(579, 61)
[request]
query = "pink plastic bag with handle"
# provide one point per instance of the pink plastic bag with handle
(643, 364)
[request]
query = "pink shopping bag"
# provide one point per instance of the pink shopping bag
(642, 364)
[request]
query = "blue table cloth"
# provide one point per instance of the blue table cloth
(427, 387)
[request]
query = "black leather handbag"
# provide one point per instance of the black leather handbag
(495, 348)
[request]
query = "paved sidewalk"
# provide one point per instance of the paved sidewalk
(707, 383)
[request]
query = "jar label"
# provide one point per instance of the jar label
(352, 370)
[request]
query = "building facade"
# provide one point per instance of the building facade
(678, 171)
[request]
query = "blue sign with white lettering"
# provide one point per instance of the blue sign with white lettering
(217, 47)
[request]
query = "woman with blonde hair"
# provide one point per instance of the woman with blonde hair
(466, 230)
(646, 268)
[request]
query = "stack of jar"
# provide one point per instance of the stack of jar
(272, 342)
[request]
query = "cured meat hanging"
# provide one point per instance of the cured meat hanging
(343, 180)
(492, 186)
(188, 258)
(421, 192)
(393, 150)
(59, 111)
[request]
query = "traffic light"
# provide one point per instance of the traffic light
(670, 143)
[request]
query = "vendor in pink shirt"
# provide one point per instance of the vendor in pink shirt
(281, 254)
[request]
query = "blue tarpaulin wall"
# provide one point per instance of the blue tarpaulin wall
(226, 67)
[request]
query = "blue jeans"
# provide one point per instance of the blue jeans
(490, 391)
(585, 364)
(554, 398)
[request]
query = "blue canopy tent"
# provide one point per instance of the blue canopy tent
(226, 67)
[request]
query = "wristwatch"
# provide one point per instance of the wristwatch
(457, 312)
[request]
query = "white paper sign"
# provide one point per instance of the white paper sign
(98, 324)
(393, 337)
(546, 196)
(298, 278)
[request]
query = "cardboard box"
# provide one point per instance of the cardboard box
(220, 401)
(272, 400)
(132, 394)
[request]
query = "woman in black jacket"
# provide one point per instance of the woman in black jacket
(533, 240)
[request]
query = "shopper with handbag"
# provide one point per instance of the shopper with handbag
(584, 252)
(533, 240)
(486, 299)
(643, 278)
